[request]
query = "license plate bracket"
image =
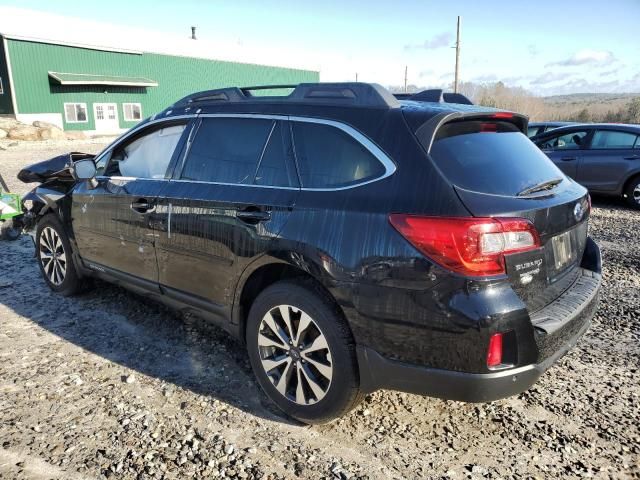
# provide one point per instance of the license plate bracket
(563, 250)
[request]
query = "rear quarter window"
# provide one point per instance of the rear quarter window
(328, 157)
(490, 157)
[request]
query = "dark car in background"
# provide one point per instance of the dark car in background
(605, 158)
(351, 240)
(536, 128)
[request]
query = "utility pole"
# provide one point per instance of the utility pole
(405, 78)
(356, 76)
(457, 78)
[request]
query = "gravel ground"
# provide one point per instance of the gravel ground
(108, 385)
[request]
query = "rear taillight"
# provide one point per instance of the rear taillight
(469, 246)
(494, 353)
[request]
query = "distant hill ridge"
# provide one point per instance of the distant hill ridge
(590, 98)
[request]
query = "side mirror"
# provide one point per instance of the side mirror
(84, 170)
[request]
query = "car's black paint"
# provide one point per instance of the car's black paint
(400, 305)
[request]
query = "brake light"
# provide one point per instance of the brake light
(502, 115)
(469, 246)
(494, 353)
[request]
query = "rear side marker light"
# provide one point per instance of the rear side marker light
(468, 245)
(494, 353)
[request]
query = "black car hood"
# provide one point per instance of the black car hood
(56, 167)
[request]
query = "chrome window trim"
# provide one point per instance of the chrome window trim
(233, 184)
(128, 179)
(381, 156)
(387, 163)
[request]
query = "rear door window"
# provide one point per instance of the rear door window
(567, 141)
(227, 150)
(276, 167)
(328, 157)
(490, 157)
(612, 139)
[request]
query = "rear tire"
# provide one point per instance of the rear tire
(55, 257)
(302, 352)
(632, 192)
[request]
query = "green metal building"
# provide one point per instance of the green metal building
(103, 90)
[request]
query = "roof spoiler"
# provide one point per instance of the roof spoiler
(435, 95)
(347, 93)
(426, 133)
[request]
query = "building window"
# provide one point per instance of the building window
(75, 112)
(132, 112)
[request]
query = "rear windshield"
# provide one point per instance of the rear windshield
(490, 157)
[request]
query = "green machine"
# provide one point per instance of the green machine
(10, 213)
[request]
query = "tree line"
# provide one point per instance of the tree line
(518, 99)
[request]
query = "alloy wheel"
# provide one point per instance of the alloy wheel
(636, 194)
(295, 355)
(53, 256)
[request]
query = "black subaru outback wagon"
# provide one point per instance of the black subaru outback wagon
(351, 240)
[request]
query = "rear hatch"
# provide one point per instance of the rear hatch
(497, 172)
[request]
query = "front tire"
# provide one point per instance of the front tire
(302, 352)
(55, 258)
(632, 193)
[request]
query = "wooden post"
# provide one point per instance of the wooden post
(457, 78)
(405, 79)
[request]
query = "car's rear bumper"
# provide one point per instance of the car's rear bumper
(378, 372)
(573, 311)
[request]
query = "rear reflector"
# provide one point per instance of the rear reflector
(494, 354)
(467, 245)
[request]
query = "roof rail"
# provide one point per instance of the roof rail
(435, 95)
(348, 93)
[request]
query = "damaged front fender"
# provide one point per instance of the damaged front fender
(56, 168)
(56, 181)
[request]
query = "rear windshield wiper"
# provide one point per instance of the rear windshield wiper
(540, 187)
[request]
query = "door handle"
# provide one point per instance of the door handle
(142, 206)
(568, 159)
(253, 216)
(632, 157)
